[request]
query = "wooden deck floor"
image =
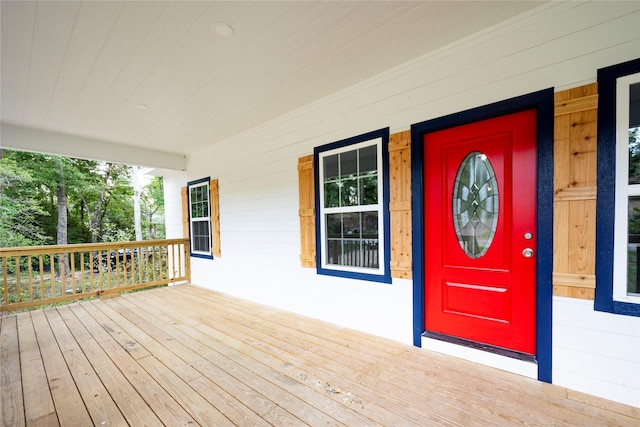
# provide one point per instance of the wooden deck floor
(184, 356)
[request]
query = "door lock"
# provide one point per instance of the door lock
(527, 252)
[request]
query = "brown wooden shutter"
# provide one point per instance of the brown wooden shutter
(215, 217)
(575, 137)
(185, 212)
(307, 212)
(400, 203)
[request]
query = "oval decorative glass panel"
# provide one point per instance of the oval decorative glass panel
(475, 204)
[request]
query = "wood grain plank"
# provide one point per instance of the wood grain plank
(162, 404)
(576, 193)
(346, 386)
(189, 374)
(582, 237)
(583, 138)
(204, 412)
(575, 280)
(13, 407)
(486, 382)
(98, 401)
(34, 378)
(214, 191)
(306, 213)
(278, 375)
(561, 237)
(274, 385)
(63, 388)
(390, 404)
(133, 407)
(575, 134)
(400, 204)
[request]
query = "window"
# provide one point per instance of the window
(200, 218)
(352, 207)
(618, 202)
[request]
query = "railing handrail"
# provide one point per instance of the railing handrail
(78, 247)
(33, 276)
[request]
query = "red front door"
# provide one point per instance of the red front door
(480, 226)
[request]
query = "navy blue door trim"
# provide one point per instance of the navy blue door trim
(543, 102)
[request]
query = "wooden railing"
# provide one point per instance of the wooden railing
(42, 275)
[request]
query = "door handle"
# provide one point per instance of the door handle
(527, 252)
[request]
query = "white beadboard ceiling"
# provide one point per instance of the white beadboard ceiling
(86, 68)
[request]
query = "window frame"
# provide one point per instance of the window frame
(383, 273)
(190, 185)
(613, 191)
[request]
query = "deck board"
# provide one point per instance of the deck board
(12, 412)
(186, 356)
(34, 378)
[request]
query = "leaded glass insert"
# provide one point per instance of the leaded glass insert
(475, 204)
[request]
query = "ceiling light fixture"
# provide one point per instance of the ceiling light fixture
(222, 30)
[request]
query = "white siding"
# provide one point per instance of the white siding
(559, 45)
(172, 182)
(596, 353)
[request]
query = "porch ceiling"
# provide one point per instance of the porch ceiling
(157, 76)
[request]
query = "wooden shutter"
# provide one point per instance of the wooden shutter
(307, 212)
(185, 212)
(215, 217)
(575, 136)
(400, 203)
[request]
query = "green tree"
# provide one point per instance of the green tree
(21, 212)
(106, 199)
(152, 208)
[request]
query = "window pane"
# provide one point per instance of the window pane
(352, 239)
(348, 163)
(633, 247)
(349, 193)
(330, 167)
(199, 201)
(634, 156)
(331, 194)
(634, 105)
(200, 236)
(369, 189)
(368, 159)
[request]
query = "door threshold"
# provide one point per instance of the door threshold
(506, 360)
(500, 351)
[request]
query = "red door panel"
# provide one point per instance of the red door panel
(489, 296)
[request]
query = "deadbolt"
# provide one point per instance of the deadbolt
(527, 252)
(528, 235)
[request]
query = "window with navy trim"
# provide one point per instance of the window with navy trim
(352, 213)
(200, 218)
(618, 202)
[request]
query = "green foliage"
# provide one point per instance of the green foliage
(634, 221)
(152, 201)
(20, 214)
(100, 200)
(634, 156)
